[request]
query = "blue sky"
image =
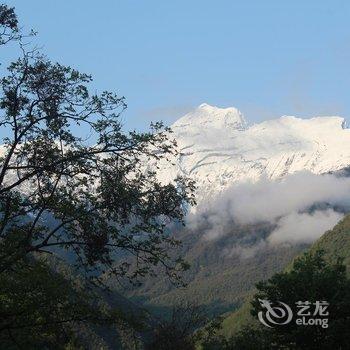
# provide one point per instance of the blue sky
(267, 58)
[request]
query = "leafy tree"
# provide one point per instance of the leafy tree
(8, 25)
(311, 279)
(72, 182)
(101, 195)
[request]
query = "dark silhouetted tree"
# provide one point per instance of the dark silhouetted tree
(72, 182)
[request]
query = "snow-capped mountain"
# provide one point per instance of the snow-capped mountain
(218, 147)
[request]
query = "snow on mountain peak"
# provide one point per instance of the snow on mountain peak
(207, 116)
(217, 148)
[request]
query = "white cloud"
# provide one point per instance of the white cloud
(284, 203)
(304, 227)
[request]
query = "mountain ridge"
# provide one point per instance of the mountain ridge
(218, 148)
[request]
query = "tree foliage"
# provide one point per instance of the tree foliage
(100, 193)
(8, 25)
(311, 279)
(74, 184)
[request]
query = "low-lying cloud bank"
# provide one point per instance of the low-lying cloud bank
(304, 227)
(301, 206)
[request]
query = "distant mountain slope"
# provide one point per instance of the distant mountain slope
(218, 278)
(335, 243)
(218, 148)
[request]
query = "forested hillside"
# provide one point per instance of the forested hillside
(335, 243)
